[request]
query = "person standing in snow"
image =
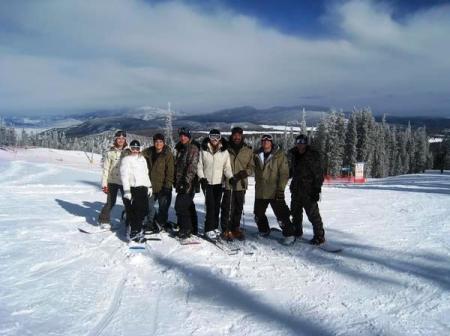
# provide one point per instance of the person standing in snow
(137, 188)
(271, 177)
(111, 182)
(160, 165)
(186, 180)
(242, 164)
(213, 166)
(306, 186)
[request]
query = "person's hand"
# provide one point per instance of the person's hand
(315, 195)
(279, 195)
(105, 189)
(203, 184)
(241, 175)
(183, 187)
(127, 195)
(149, 192)
(166, 191)
(233, 181)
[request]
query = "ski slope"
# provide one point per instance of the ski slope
(393, 277)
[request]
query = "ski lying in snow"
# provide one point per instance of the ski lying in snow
(221, 245)
(238, 245)
(93, 232)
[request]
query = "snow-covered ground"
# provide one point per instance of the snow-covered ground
(393, 277)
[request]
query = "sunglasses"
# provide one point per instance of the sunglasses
(120, 134)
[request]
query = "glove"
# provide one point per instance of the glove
(279, 195)
(203, 184)
(183, 187)
(105, 189)
(127, 195)
(166, 191)
(233, 181)
(241, 175)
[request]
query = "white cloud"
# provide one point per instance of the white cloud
(66, 55)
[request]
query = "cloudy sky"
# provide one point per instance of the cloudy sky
(64, 56)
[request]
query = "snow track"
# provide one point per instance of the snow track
(392, 278)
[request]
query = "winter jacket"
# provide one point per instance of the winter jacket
(213, 166)
(161, 170)
(186, 162)
(134, 172)
(241, 159)
(111, 166)
(271, 176)
(306, 171)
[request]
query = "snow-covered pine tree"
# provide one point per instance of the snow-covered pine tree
(350, 142)
(421, 150)
(335, 143)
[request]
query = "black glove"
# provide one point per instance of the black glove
(233, 181)
(241, 175)
(279, 195)
(203, 184)
(183, 187)
(166, 191)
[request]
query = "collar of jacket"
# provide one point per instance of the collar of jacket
(164, 151)
(179, 146)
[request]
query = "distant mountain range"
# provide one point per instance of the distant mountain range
(148, 120)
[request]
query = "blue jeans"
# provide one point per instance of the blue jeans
(164, 198)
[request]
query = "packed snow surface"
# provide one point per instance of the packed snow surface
(392, 277)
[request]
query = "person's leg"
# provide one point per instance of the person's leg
(194, 217)
(259, 211)
(164, 200)
(312, 211)
(225, 223)
(297, 214)
(105, 213)
(183, 204)
(140, 205)
(282, 213)
(236, 211)
(209, 208)
(217, 191)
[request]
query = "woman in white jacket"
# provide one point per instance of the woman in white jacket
(137, 188)
(213, 166)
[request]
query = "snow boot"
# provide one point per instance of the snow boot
(316, 240)
(227, 235)
(238, 234)
(212, 235)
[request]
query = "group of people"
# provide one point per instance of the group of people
(219, 168)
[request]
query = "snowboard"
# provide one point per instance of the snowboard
(327, 246)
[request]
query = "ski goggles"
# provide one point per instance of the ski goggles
(119, 134)
(214, 137)
(301, 141)
(266, 137)
(135, 148)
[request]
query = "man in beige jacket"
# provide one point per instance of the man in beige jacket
(271, 177)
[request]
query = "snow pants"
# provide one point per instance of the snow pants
(299, 202)
(186, 213)
(213, 197)
(233, 200)
(137, 208)
(281, 212)
(111, 199)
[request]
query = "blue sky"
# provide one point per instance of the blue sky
(69, 56)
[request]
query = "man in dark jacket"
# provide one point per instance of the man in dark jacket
(161, 170)
(241, 158)
(186, 162)
(306, 186)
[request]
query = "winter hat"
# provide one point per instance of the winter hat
(237, 129)
(135, 144)
(184, 131)
(301, 139)
(267, 137)
(158, 136)
(120, 133)
(214, 134)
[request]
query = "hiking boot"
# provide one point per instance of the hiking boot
(227, 235)
(183, 235)
(298, 231)
(238, 234)
(289, 240)
(136, 235)
(317, 240)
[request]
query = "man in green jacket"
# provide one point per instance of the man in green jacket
(242, 164)
(271, 177)
(160, 164)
